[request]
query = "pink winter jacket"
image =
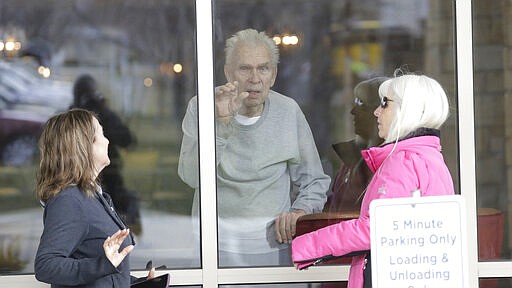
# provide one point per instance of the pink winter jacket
(415, 163)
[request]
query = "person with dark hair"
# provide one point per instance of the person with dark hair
(86, 95)
(354, 175)
(84, 241)
(412, 109)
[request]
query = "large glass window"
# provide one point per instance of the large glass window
(491, 42)
(326, 48)
(141, 54)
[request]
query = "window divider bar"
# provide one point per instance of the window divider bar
(206, 143)
(466, 125)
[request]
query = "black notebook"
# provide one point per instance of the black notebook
(161, 281)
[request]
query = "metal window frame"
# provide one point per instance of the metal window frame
(211, 275)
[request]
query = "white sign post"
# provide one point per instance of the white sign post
(419, 242)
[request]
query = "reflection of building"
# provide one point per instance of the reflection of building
(492, 75)
(111, 40)
(130, 86)
(104, 54)
(408, 15)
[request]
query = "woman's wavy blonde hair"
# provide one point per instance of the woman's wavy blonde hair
(66, 154)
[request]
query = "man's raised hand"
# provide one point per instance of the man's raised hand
(228, 100)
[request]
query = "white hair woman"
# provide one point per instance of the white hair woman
(416, 101)
(411, 111)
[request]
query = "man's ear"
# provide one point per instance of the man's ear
(274, 72)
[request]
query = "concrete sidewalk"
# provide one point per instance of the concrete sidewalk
(166, 239)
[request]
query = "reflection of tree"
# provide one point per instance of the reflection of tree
(120, 41)
(10, 255)
(153, 28)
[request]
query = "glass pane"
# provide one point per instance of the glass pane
(326, 48)
(492, 120)
(141, 56)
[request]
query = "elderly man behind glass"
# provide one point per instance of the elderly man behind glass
(264, 149)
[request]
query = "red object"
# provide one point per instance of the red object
(312, 222)
(490, 239)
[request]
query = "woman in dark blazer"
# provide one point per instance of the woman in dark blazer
(84, 242)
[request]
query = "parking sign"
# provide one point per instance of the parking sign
(419, 242)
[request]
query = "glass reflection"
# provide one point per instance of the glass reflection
(492, 100)
(340, 44)
(142, 56)
(264, 145)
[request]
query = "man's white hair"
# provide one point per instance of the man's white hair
(253, 38)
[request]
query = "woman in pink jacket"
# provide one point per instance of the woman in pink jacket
(412, 109)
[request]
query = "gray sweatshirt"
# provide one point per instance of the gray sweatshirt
(258, 167)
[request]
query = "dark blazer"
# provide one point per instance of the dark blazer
(70, 251)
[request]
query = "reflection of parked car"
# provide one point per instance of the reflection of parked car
(19, 85)
(20, 126)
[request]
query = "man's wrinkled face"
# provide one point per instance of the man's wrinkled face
(253, 70)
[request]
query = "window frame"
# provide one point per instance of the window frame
(210, 275)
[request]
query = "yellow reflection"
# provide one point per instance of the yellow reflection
(288, 40)
(177, 68)
(9, 45)
(148, 82)
(44, 71)
(294, 40)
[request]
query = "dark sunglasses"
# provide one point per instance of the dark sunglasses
(384, 102)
